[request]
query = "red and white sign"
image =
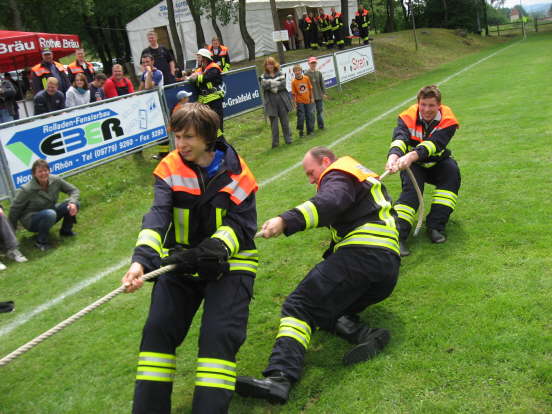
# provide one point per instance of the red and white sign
(20, 49)
(354, 63)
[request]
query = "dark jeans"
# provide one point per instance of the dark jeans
(305, 112)
(319, 104)
(43, 220)
(7, 235)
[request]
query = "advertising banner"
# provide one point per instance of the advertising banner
(354, 63)
(241, 92)
(325, 65)
(84, 136)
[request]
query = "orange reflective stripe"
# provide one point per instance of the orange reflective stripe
(177, 175)
(350, 166)
(212, 65)
(39, 70)
(242, 185)
(410, 117)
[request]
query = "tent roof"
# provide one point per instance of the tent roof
(20, 49)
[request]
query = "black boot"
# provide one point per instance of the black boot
(403, 249)
(372, 344)
(274, 388)
(350, 328)
(437, 236)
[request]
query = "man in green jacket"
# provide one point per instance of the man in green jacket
(35, 204)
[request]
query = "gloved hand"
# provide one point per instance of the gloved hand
(212, 259)
(185, 260)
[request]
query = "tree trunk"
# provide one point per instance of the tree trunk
(485, 23)
(195, 11)
(249, 42)
(95, 40)
(445, 9)
(17, 23)
(174, 33)
(115, 41)
(276, 26)
(103, 41)
(373, 12)
(478, 18)
(405, 13)
(345, 13)
(213, 6)
(390, 18)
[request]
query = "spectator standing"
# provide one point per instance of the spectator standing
(48, 68)
(301, 89)
(9, 241)
(117, 84)
(318, 90)
(50, 99)
(163, 57)
(78, 94)
(96, 87)
(277, 103)
(7, 101)
(35, 205)
(220, 53)
(151, 77)
(291, 28)
(18, 94)
(80, 65)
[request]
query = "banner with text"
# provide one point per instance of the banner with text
(354, 63)
(325, 65)
(84, 136)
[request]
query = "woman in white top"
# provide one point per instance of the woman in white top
(78, 94)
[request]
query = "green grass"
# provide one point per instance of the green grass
(470, 319)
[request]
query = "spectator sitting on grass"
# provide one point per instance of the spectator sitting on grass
(35, 205)
(9, 241)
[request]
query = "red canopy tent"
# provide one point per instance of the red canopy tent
(21, 49)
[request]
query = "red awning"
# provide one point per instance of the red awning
(20, 49)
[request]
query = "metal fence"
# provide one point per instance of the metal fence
(517, 27)
(76, 139)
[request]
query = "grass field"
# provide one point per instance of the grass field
(470, 319)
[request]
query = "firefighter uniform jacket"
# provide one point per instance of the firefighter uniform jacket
(312, 29)
(75, 68)
(188, 207)
(209, 83)
(429, 140)
(222, 58)
(363, 22)
(353, 204)
(41, 73)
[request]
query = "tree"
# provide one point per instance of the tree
(249, 42)
(345, 14)
(195, 11)
(390, 16)
(17, 22)
(174, 32)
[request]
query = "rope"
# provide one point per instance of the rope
(41, 338)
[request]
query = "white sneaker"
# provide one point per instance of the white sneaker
(16, 255)
(2, 266)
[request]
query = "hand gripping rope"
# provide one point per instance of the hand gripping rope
(29, 345)
(421, 208)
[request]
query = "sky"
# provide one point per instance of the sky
(512, 3)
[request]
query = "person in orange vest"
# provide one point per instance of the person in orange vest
(80, 65)
(360, 268)
(420, 142)
(337, 29)
(220, 54)
(362, 19)
(208, 81)
(325, 28)
(47, 68)
(204, 215)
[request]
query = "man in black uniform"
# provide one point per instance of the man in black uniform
(360, 268)
(420, 142)
(204, 213)
(164, 59)
(362, 18)
(337, 29)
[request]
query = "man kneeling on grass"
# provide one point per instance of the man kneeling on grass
(361, 268)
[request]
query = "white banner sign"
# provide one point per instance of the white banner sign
(280, 36)
(83, 136)
(324, 65)
(354, 63)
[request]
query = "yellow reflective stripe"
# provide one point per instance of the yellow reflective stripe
(377, 229)
(216, 365)
(243, 266)
(292, 333)
(445, 194)
(304, 326)
(158, 355)
(215, 381)
(444, 202)
(310, 214)
(219, 213)
(429, 146)
(370, 241)
(385, 210)
(228, 236)
(405, 212)
(400, 144)
(181, 218)
(427, 164)
(157, 359)
(334, 235)
(155, 374)
(200, 78)
(245, 260)
(151, 238)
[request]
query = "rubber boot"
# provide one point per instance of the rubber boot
(436, 236)
(274, 388)
(403, 249)
(350, 328)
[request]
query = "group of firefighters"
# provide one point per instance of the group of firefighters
(330, 30)
(203, 220)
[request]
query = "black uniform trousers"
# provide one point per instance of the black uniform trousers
(339, 38)
(216, 106)
(364, 34)
(174, 301)
(445, 176)
(348, 281)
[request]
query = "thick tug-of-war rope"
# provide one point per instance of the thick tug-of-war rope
(41, 338)
(421, 207)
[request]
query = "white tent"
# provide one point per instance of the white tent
(259, 26)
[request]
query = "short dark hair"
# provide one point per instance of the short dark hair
(431, 91)
(40, 163)
(318, 153)
(100, 76)
(147, 55)
(201, 118)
